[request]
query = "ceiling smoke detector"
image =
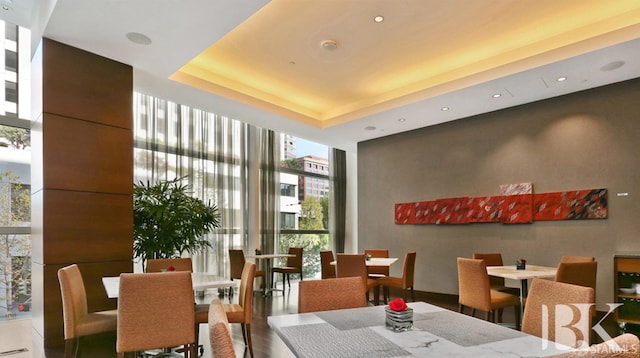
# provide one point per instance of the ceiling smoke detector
(329, 44)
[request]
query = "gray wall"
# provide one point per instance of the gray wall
(580, 141)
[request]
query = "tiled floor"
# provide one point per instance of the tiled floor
(15, 335)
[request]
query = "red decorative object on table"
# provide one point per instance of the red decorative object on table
(171, 268)
(398, 305)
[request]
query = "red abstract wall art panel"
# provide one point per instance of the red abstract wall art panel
(571, 205)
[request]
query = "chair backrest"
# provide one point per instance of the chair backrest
(351, 265)
(74, 298)
(155, 310)
(245, 298)
(295, 261)
(544, 296)
(236, 263)
(578, 273)
(331, 294)
(219, 334)
(328, 270)
(180, 264)
(382, 270)
(408, 269)
(492, 259)
(473, 284)
(577, 258)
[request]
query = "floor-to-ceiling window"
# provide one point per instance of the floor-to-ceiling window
(304, 200)
(15, 174)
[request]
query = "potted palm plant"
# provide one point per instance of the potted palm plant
(168, 221)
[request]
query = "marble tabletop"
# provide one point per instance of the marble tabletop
(200, 281)
(436, 332)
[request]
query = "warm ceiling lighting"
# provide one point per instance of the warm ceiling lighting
(561, 79)
(329, 44)
(378, 19)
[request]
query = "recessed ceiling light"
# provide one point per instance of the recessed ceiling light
(497, 95)
(378, 19)
(561, 79)
(138, 38)
(445, 109)
(612, 66)
(370, 128)
(5, 8)
(402, 119)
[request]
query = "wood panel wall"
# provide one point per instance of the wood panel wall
(82, 208)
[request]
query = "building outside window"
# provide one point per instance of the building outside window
(15, 175)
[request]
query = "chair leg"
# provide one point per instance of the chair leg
(288, 282)
(413, 296)
(249, 343)
(71, 347)
(461, 308)
(473, 312)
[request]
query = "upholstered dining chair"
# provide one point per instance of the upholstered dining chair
(236, 265)
(242, 311)
(544, 296)
(219, 334)
(78, 321)
(354, 265)
(475, 291)
(155, 310)
(626, 345)
(405, 283)
(377, 271)
(581, 273)
(492, 259)
(294, 265)
(327, 269)
(159, 265)
(331, 294)
(568, 258)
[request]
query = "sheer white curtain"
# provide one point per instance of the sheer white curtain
(210, 151)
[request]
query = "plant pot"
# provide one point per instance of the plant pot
(398, 321)
(521, 266)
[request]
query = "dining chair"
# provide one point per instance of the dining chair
(236, 265)
(354, 265)
(543, 298)
(475, 291)
(626, 345)
(155, 310)
(568, 258)
(78, 322)
(404, 283)
(219, 334)
(377, 271)
(331, 294)
(241, 312)
(327, 269)
(159, 265)
(581, 273)
(294, 265)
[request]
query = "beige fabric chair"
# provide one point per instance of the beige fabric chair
(327, 269)
(578, 273)
(624, 346)
(354, 265)
(242, 311)
(78, 322)
(475, 291)
(377, 271)
(549, 294)
(159, 265)
(405, 282)
(294, 265)
(155, 310)
(331, 294)
(219, 334)
(577, 258)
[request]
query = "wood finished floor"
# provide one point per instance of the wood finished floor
(265, 342)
